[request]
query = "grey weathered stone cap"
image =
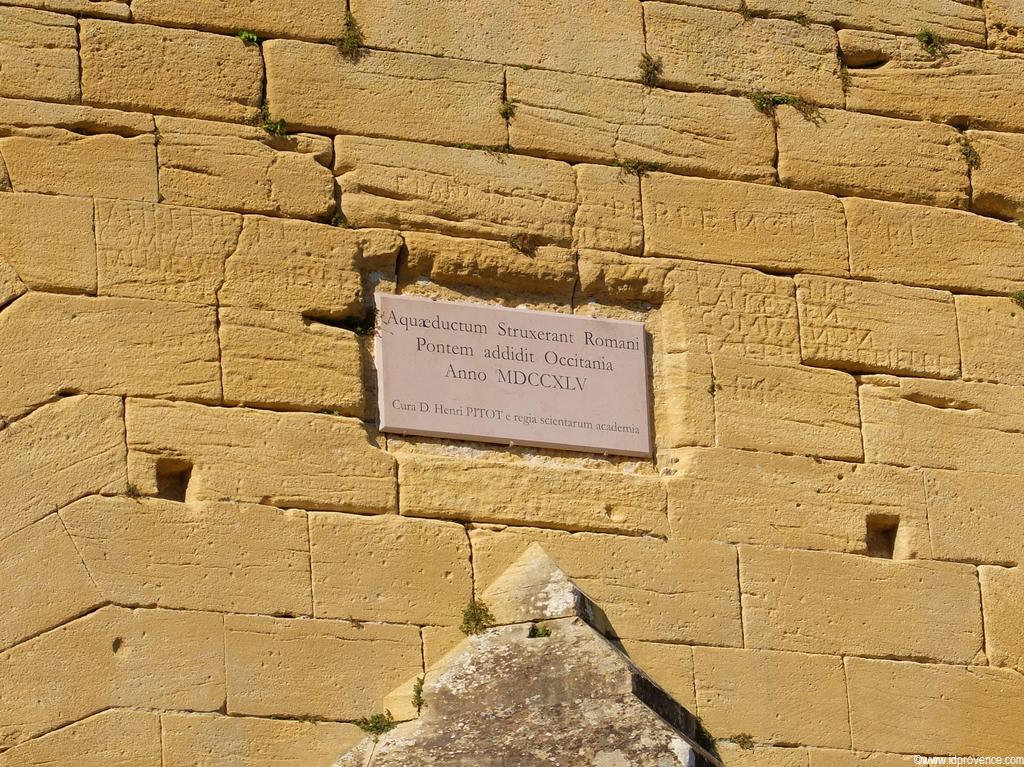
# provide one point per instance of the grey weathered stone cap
(511, 698)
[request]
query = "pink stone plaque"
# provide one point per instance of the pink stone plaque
(512, 376)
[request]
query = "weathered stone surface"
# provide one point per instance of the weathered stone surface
(208, 556)
(895, 76)
(611, 278)
(943, 424)
(1002, 594)
(62, 451)
(47, 257)
(877, 327)
(930, 709)
(705, 49)
(744, 224)
(233, 741)
(277, 666)
(11, 285)
(772, 696)
(162, 252)
(892, 242)
(735, 496)
(105, 345)
(846, 153)
(525, 493)
(582, 118)
(38, 55)
(1005, 25)
(18, 114)
(811, 601)
(387, 568)
(113, 738)
(112, 657)
(827, 757)
(994, 183)
(650, 590)
(399, 95)
(56, 161)
(975, 517)
(760, 756)
(169, 71)
(309, 19)
(669, 665)
(454, 191)
(684, 410)
(609, 215)
(291, 460)
(241, 168)
(100, 9)
(990, 329)
(600, 37)
(786, 409)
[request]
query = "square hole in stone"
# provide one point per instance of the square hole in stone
(880, 538)
(172, 476)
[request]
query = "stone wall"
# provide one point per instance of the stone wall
(208, 554)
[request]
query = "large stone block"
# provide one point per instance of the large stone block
(47, 257)
(776, 697)
(38, 55)
(308, 19)
(811, 601)
(100, 9)
(1005, 25)
(11, 285)
(760, 756)
(609, 214)
(169, 71)
(975, 517)
(684, 405)
(995, 182)
(387, 568)
(1002, 596)
(16, 115)
(877, 327)
(669, 665)
(113, 738)
(780, 230)
(291, 460)
(277, 666)
(990, 330)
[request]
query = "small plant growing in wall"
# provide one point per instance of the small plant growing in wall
(273, 127)
(525, 243)
(766, 103)
(539, 631)
(476, 618)
(507, 110)
(417, 695)
(650, 70)
(247, 37)
(1018, 298)
(351, 39)
(377, 724)
(744, 741)
(638, 168)
(932, 44)
(132, 490)
(970, 154)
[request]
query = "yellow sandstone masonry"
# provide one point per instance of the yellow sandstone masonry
(310, 19)
(112, 738)
(811, 601)
(1005, 25)
(38, 55)
(846, 153)
(577, 118)
(600, 37)
(877, 327)
(706, 49)
(100, 9)
(736, 496)
(18, 114)
(779, 230)
(786, 408)
(995, 182)
(399, 95)
(425, 562)
(297, 460)
(611, 278)
(684, 406)
(112, 657)
(773, 696)
(917, 708)
(196, 556)
(1002, 592)
(991, 329)
(11, 285)
(761, 756)
(170, 71)
(669, 665)
(47, 257)
(609, 212)
(279, 667)
(827, 757)
(975, 517)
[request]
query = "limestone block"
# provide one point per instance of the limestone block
(705, 49)
(241, 168)
(919, 708)
(529, 493)
(307, 19)
(609, 216)
(47, 257)
(18, 114)
(735, 496)
(386, 94)
(744, 224)
(650, 590)
(786, 408)
(895, 76)
(170, 71)
(56, 161)
(815, 601)
(772, 696)
(38, 55)
(891, 242)
(827, 757)
(277, 666)
(1002, 594)
(283, 361)
(877, 327)
(232, 741)
(112, 738)
(57, 343)
(846, 153)
(669, 665)
(196, 556)
(684, 405)
(60, 452)
(611, 278)
(42, 581)
(576, 118)
(11, 285)
(990, 329)
(112, 657)
(760, 756)
(386, 568)
(100, 9)
(453, 191)
(943, 424)
(290, 460)
(975, 517)
(1005, 25)
(599, 37)
(162, 252)
(995, 182)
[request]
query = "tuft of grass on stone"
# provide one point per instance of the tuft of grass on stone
(1018, 298)
(417, 695)
(766, 103)
(132, 490)
(970, 154)
(247, 37)
(273, 127)
(539, 631)
(351, 40)
(507, 110)
(802, 19)
(705, 739)
(932, 44)
(525, 242)
(744, 741)
(650, 70)
(638, 168)
(476, 618)
(377, 724)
